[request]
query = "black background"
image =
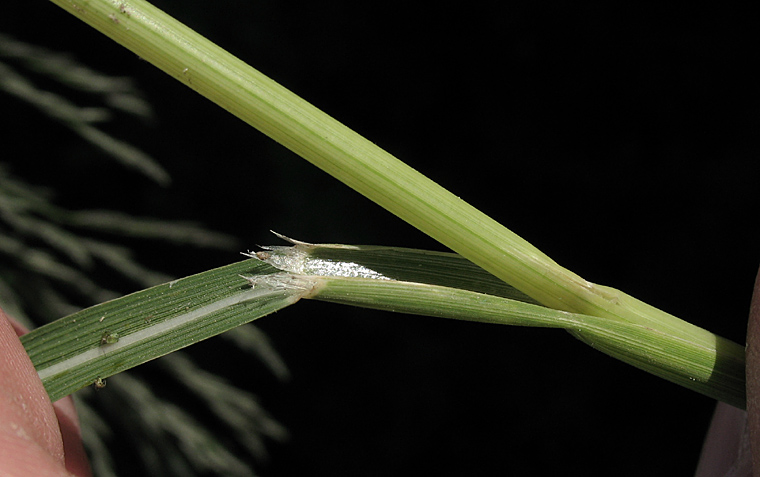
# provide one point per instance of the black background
(620, 140)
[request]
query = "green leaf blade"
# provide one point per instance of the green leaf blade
(73, 352)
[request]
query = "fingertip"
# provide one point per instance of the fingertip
(753, 374)
(77, 462)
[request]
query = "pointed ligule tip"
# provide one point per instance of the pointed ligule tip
(262, 255)
(292, 241)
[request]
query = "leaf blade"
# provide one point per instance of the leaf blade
(73, 352)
